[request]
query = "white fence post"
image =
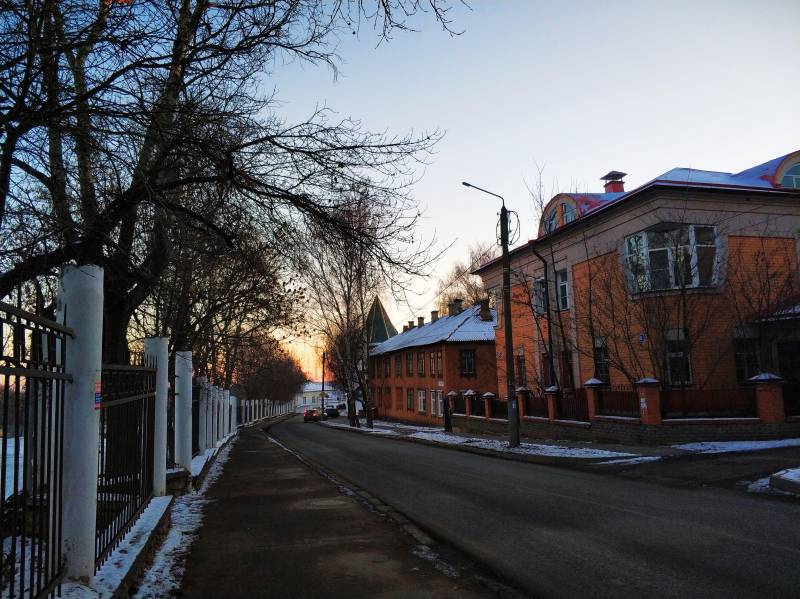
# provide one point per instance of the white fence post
(227, 412)
(202, 421)
(234, 413)
(183, 409)
(83, 305)
(156, 347)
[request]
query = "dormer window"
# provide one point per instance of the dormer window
(550, 221)
(568, 213)
(791, 178)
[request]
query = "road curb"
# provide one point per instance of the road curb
(532, 459)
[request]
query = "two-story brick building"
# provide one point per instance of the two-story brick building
(412, 372)
(688, 284)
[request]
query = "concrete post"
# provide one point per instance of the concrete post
(183, 409)
(212, 415)
(551, 393)
(769, 398)
(202, 420)
(157, 348)
(82, 302)
(234, 413)
(649, 392)
(227, 412)
(593, 390)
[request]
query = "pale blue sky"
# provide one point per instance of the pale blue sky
(581, 87)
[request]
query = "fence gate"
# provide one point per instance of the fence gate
(125, 460)
(32, 381)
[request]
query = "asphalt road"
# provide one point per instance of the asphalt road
(560, 532)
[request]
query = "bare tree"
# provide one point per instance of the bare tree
(460, 283)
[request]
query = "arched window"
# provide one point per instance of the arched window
(568, 212)
(791, 178)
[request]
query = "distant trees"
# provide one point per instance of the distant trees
(459, 283)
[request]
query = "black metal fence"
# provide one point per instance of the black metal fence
(477, 406)
(791, 398)
(572, 405)
(536, 404)
(499, 408)
(738, 402)
(619, 400)
(125, 466)
(459, 405)
(32, 381)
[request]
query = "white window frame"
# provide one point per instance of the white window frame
(565, 284)
(572, 211)
(440, 402)
(539, 291)
(795, 182)
(421, 398)
(636, 287)
(433, 402)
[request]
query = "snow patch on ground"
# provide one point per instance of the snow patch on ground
(426, 553)
(762, 486)
(793, 474)
(163, 578)
(538, 449)
(116, 567)
(363, 429)
(626, 461)
(736, 446)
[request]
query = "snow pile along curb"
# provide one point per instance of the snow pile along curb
(787, 481)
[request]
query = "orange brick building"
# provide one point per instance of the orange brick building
(687, 285)
(412, 373)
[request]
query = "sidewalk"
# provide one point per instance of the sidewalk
(275, 528)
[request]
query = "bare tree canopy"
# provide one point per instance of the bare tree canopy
(125, 124)
(460, 283)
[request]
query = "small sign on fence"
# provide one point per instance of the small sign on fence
(98, 392)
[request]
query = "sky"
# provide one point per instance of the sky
(576, 87)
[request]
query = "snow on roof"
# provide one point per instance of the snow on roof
(466, 326)
(316, 386)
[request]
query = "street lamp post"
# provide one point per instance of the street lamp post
(511, 396)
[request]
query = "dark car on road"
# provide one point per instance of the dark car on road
(331, 412)
(311, 414)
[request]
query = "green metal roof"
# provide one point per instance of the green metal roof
(379, 327)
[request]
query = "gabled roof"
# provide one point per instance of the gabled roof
(466, 326)
(379, 327)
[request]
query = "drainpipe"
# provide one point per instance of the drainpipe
(547, 312)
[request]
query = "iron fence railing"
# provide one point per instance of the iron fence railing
(459, 405)
(709, 403)
(477, 406)
(572, 405)
(618, 401)
(499, 408)
(32, 385)
(125, 465)
(791, 398)
(536, 404)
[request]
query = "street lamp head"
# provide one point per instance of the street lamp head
(465, 184)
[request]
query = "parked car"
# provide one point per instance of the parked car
(331, 412)
(311, 414)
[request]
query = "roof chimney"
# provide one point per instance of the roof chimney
(410, 324)
(486, 313)
(420, 321)
(457, 306)
(405, 328)
(613, 182)
(434, 315)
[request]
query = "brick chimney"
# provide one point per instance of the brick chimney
(486, 313)
(405, 328)
(420, 321)
(410, 324)
(457, 306)
(613, 182)
(434, 315)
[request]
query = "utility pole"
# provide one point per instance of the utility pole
(322, 416)
(511, 394)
